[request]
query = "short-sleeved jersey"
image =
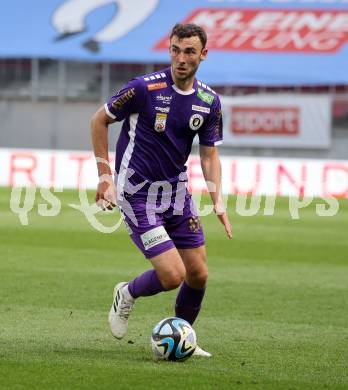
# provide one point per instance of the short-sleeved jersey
(160, 123)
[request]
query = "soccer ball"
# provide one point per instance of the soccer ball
(173, 339)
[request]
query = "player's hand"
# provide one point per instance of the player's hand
(106, 193)
(221, 214)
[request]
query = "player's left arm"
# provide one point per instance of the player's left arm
(211, 168)
(210, 135)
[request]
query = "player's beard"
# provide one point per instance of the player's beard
(189, 75)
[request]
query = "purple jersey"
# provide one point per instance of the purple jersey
(160, 123)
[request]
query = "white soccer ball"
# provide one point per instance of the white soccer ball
(173, 339)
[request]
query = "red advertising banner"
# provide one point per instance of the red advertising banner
(277, 120)
(242, 175)
(271, 30)
(260, 120)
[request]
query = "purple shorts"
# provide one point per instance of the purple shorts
(156, 229)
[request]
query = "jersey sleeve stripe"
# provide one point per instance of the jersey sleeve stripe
(108, 112)
(121, 179)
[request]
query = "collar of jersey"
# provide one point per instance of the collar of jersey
(178, 90)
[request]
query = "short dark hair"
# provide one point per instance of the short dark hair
(189, 30)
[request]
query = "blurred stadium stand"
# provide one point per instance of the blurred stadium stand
(48, 96)
(75, 89)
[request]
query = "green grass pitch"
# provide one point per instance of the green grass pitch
(275, 314)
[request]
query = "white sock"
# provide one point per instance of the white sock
(127, 294)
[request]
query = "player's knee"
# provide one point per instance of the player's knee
(198, 278)
(173, 280)
(203, 278)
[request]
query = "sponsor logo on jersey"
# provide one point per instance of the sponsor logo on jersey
(201, 109)
(160, 122)
(196, 121)
(154, 237)
(163, 109)
(154, 86)
(205, 96)
(164, 99)
(120, 101)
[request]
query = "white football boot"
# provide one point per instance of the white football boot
(120, 310)
(200, 352)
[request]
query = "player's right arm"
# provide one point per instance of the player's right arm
(127, 100)
(106, 190)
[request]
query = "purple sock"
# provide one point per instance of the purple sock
(188, 302)
(145, 285)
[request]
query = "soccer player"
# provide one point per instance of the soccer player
(162, 112)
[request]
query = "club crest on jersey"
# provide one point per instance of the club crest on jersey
(154, 86)
(160, 122)
(196, 121)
